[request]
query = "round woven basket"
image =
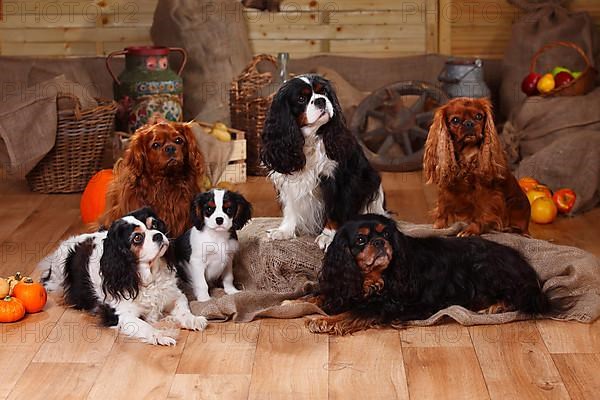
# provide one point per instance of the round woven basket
(77, 153)
(250, 98)
(577, 87)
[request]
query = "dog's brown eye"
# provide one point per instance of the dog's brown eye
(138, 238)
(386, 235)
(455, 120)
(479, 117)
(301, 99)
(178, 140)
(361, 241)
(155, 145)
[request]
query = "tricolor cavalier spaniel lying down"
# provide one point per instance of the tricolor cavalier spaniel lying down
(373, 275)
(122, 275)
(318, 168)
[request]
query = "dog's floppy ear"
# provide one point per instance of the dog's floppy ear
(197, 209)
(492, 160)
(195, 156)
(340, 278)
(118, 264)
(243, 212)
(439, 162)
(338, 140)
(282, 148)
(135, 156)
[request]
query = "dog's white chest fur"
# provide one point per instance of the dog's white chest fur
(299, 192)
(211, 259)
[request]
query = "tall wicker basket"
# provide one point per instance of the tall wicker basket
(250, 97)
(77, 153)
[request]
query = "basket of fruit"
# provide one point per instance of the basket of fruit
(560, 81)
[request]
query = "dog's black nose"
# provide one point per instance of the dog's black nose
(379, 243)
(219, 220)
(158, 237)
(320, 102)
(469, 124)
(170, 150)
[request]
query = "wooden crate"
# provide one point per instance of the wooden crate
(236, 167)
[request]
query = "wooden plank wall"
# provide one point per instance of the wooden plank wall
(371, 28)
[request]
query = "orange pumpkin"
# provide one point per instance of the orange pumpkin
(93, 199)
(32, 295)
(11, 309)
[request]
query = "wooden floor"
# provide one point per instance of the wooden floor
(59, 353)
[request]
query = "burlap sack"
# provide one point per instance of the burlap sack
(272, 271)
(556, 141)
(28, 122)
(214, 34)
(542, 22)
(573, 161)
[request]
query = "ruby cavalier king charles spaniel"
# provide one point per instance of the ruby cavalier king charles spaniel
(465, 159)
(161, 169)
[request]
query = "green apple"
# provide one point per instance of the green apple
(557, 70)
(576, 74)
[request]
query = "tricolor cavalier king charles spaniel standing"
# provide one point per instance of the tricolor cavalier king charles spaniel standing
(465, 159)
(373, 275)
(122, 276)
(205, 252)
(319, 170)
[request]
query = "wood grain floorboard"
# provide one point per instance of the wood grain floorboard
(63, 354)
(290, 362)
(368, 365)
(516, 363)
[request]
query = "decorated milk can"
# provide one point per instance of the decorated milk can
(463, 78)
(147, 88)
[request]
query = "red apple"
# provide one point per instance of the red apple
(562, 78)
(529, 84)
(564, 200)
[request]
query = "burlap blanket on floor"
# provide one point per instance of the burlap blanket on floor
(273, 271)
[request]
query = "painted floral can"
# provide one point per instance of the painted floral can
(147, 88)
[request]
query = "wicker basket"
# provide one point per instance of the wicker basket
(249, 107)
(577, 87)
(77, 153)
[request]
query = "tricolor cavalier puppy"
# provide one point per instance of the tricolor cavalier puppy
(373, 275)
(205, 252)
(122, 275)
(465, 159)
(319, 170)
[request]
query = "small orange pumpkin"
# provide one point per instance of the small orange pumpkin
(93, 199)
(11, 309)
(32, 294)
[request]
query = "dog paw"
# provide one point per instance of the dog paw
(372, 287)
(231, 290)
(318, 325)
(280, 234)
(325, 239)
(196, 323)
(202, 297)
(161, 339)
(471, 230)
(439, 224)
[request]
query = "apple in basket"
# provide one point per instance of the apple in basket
(529, 84)
(563, 78)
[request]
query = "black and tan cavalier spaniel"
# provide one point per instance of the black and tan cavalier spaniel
(318, 168)
(373, 275)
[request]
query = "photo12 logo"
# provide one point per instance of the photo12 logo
(49, 12)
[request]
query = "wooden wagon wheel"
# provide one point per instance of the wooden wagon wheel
(391, 129)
